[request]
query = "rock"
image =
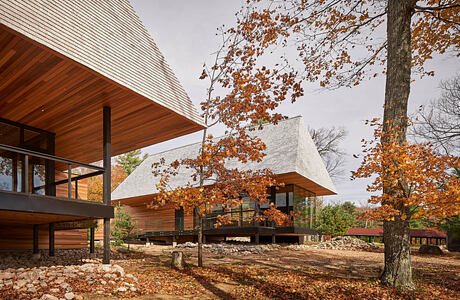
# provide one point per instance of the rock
(121, 289)
(430, 249)
(178, 261)
(78, 297)
(118, 269)
(6, 275)
(21, 283)
(69, 296)
(48, 297)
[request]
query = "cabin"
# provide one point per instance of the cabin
(80, 82)
(290, 154)
(417, 236)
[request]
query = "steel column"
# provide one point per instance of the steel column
(51, 239)
(35, 240)
(91, 240)
(107, 155)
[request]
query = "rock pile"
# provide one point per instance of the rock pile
(339, 243)
(235, 249)
(59, 281)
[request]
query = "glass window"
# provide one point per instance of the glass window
(280, 200)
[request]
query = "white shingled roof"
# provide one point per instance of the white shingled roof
(105, 36)
(289, 149)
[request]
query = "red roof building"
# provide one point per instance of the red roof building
(415, 233)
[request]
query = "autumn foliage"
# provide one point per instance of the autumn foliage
(413, 180)
(95, 185)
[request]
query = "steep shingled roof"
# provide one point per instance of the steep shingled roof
(289, 149)
(105, 36)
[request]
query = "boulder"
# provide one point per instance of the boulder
(430, 249)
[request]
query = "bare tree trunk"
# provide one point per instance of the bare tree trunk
(397, 272)
(200, 241)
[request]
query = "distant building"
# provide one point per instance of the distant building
(418, 236)
(290, 154)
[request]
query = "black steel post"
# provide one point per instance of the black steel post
(107, 144)
(51, 239)
(35, 240)
(25, 175)
(69, 181)
(91, 240)
(273, 239)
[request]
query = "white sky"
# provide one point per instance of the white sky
(185, 33)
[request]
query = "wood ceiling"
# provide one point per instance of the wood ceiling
(43, 89)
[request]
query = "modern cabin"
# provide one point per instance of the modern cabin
(80, 82)
(290, 154)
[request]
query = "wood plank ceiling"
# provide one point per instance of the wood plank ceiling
(43, 89)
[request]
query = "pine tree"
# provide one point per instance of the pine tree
(131, 160)
(124, 227)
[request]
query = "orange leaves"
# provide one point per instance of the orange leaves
(95, 183)
(414, 179)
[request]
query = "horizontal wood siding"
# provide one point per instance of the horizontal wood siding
(188, 221)
(61, 189)
(161, 219)
(20, 238)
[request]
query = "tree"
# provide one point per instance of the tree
(421, 176)
(339, 45)
(334, 220)
(439, 122)
(95, 185)
(130, 160)
(242, 105)
(327, 141)
(124, 228)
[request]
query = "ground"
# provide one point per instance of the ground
(281, 274)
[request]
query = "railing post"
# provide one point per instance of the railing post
(69, 181)
(107, 154)
(76, 189)
(26, 174)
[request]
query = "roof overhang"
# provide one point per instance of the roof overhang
(42, 88)
(302, 181)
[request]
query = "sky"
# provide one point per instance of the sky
(185, 32)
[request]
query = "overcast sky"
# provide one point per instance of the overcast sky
(185, 33)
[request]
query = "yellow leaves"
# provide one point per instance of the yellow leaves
(408, 175)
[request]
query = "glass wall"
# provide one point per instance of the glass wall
(12, 164)
(304, 205)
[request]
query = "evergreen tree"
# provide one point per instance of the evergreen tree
(334, 220)
(131, 160)
(124, 228)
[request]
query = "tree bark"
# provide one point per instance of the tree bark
(397, 272)
(200, 241)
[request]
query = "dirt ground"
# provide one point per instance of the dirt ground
(286, 274)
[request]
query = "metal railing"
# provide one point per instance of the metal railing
(240, 220)
(29, 153)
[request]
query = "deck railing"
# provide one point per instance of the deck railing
(237, 218)
(69, 163)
